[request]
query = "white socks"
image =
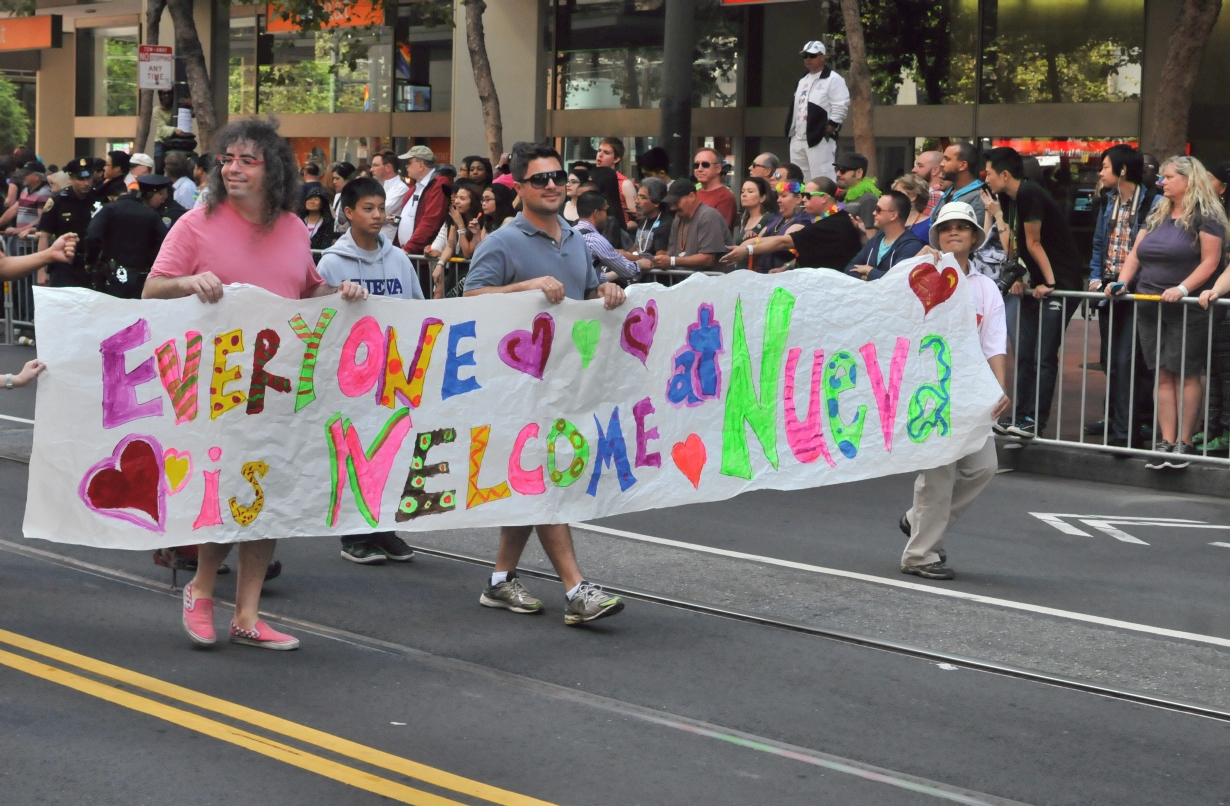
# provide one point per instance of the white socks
(573, 592)
(498, 577)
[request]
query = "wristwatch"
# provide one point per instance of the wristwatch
(8, 380)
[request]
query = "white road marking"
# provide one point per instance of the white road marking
(1108, 524)
(913, 586)
(1223, 545)
(16, 419)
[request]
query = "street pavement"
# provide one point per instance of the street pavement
(406, 690)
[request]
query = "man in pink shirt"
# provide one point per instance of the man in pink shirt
(247, 233)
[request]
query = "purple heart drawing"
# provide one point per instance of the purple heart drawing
(528, 350)
(636, 336)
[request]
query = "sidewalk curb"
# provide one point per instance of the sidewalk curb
(1090, 465)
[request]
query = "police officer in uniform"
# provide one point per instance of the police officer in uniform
(68, 211)
(124, 238)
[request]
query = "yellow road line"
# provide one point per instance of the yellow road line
(294, 730)
(218, 730)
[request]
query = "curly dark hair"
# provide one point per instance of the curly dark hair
(281, 187)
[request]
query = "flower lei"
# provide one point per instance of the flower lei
(834, 209)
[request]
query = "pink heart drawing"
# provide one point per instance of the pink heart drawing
(636, 336)
(528, 351)
(129, 484)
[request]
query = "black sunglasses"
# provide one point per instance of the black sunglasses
(696, 165)
(539, 181)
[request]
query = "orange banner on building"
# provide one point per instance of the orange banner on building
(30, 33)
(342, 15)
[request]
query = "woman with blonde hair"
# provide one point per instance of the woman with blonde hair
(916, 190)
(1175, 256)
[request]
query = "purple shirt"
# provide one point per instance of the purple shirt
(1168, 255)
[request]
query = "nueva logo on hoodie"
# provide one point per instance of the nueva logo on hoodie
(385, 272)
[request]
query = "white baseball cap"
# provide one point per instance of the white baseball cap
(142, 159)
(814, 48)
(956, 211)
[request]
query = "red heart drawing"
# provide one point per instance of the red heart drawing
(637, 335)
(932, 287)
(690, 457)
(528, 351)
(129, 479)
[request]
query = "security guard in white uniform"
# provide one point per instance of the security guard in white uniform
(821, 102)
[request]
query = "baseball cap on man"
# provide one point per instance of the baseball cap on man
(141, 159)
(80, 168)
(813, 48)
(34, 167)
(956, 211)
(677, 190)
(419, 153)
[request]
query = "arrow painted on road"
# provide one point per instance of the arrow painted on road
(1109, 524)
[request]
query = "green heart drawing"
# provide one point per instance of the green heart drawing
(585, 335)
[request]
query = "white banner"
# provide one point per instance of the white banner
(164, 423)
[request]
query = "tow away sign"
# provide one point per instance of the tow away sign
(155, 67)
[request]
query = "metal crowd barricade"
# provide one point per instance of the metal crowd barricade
(455, 271)
(18, 294)
(1086, 308)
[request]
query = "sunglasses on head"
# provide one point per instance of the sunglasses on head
(539, 181)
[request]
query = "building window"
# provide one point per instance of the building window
(241, 95)
(1061, 51)
(609, 54)
(423, 57)
(342, 69)
(107, 71)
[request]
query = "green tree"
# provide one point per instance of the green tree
(14, 122)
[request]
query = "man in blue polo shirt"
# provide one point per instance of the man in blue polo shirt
(539, 251)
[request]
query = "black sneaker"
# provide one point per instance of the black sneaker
(1158, 462)
(1180, 450)
(274, 570)
(930, 570)
(1025, 428)
(1096, 429)
(393, 546)
(1001, 426)
(365, 553)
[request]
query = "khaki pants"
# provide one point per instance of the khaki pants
(815, 161)
(941, 496)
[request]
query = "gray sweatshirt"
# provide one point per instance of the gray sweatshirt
(386, 272)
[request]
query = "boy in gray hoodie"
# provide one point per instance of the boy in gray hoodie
(362, 254)
(366, 257)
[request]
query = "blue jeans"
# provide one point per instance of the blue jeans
(1038, 363)
(1119, 345)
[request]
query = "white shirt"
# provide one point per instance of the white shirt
(185, 192)
(989, 308)
(829, 93)
(406, 230)
(394, 198)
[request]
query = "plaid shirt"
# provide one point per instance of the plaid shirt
(933, 198)
(1119, 242)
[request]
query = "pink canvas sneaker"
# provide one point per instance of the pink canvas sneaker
(262, 635)
(198, 618)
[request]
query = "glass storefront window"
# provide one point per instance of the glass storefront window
(423, 57)
(335, 70)
(107, 71)
(1061, 51)
(241, 99)
(610, 54)
(920, 51)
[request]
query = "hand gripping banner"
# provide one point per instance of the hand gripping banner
(171, 422)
